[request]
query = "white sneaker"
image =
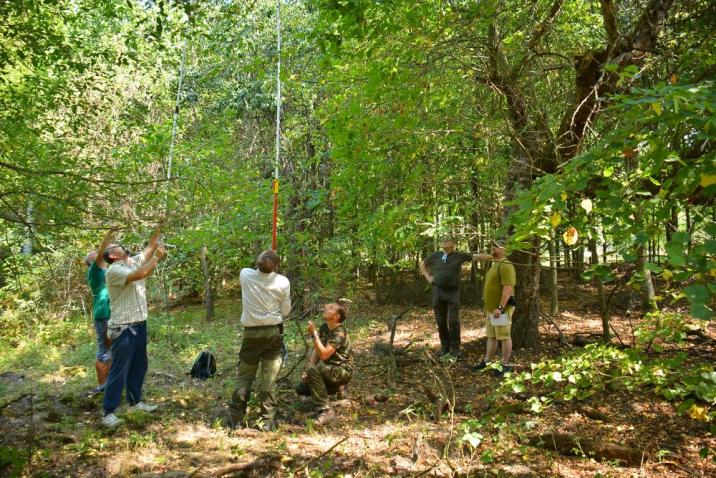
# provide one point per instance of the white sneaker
(145, 407)
(111, 421)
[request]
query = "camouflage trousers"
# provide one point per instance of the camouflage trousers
(324, 380)
(260, 347)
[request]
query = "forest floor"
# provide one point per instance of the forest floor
(387, 426)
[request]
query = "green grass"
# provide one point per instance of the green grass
(61, 352)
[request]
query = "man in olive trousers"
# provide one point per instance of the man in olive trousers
(266, 299)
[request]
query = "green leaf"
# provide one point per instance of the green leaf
(675, 251)
(701, 311)
(681, 409)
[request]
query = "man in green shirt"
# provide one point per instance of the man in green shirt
(330, 363)
(100, 308)
(498, 290)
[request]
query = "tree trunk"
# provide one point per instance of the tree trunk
(525, 331)
(554, 291)
(208, 291)
(555, 240)
(648, 293)
(603, 312)
(27, 245)
(604, 250)
(578, 262)
(688, 227)
(567, 258)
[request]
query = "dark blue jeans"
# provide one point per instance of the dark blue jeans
(129, 365)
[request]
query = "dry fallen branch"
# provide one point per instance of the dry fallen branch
(270, 461)
(314, 460)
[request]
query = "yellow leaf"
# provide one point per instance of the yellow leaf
(570, 236)
(667, 274)
(587, 205)
(698, 413)
(707, 180)
(674, 78)
(564, 196)
(555, 219)
(656, 106)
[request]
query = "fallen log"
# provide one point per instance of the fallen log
(572, 445)
(582, 339)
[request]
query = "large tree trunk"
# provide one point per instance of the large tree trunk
(525, 331)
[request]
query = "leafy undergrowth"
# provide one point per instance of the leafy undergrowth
(651, 402)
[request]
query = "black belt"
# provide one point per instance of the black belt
(264, 327)
(129, 324)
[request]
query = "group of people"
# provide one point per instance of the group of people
(442, 270)
(116, 280)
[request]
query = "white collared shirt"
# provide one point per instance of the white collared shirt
(265, 297)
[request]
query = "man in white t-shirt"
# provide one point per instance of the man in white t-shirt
(266, 299)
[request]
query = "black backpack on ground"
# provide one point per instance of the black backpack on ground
(204, 366)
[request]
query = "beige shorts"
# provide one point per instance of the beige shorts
(500, 332)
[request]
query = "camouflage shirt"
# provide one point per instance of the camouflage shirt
(338, 338)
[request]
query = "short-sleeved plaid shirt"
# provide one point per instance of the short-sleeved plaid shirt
(128, 301)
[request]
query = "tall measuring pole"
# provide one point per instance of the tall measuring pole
(174, 124)
(278, 125)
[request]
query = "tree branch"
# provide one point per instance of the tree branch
(609, 14)
(591, 81)
(59, 172)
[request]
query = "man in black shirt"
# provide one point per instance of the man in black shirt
(442, 270)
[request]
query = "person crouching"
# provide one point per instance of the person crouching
(330, 365)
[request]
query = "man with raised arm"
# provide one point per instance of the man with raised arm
(442, 270)
(100, 308)
(128, 325)
(498, 299)
(266, 299)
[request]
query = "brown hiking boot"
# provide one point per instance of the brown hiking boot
(326, 417)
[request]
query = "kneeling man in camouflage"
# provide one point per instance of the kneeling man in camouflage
(330, 367)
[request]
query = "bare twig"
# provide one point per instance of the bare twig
(313, 460)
